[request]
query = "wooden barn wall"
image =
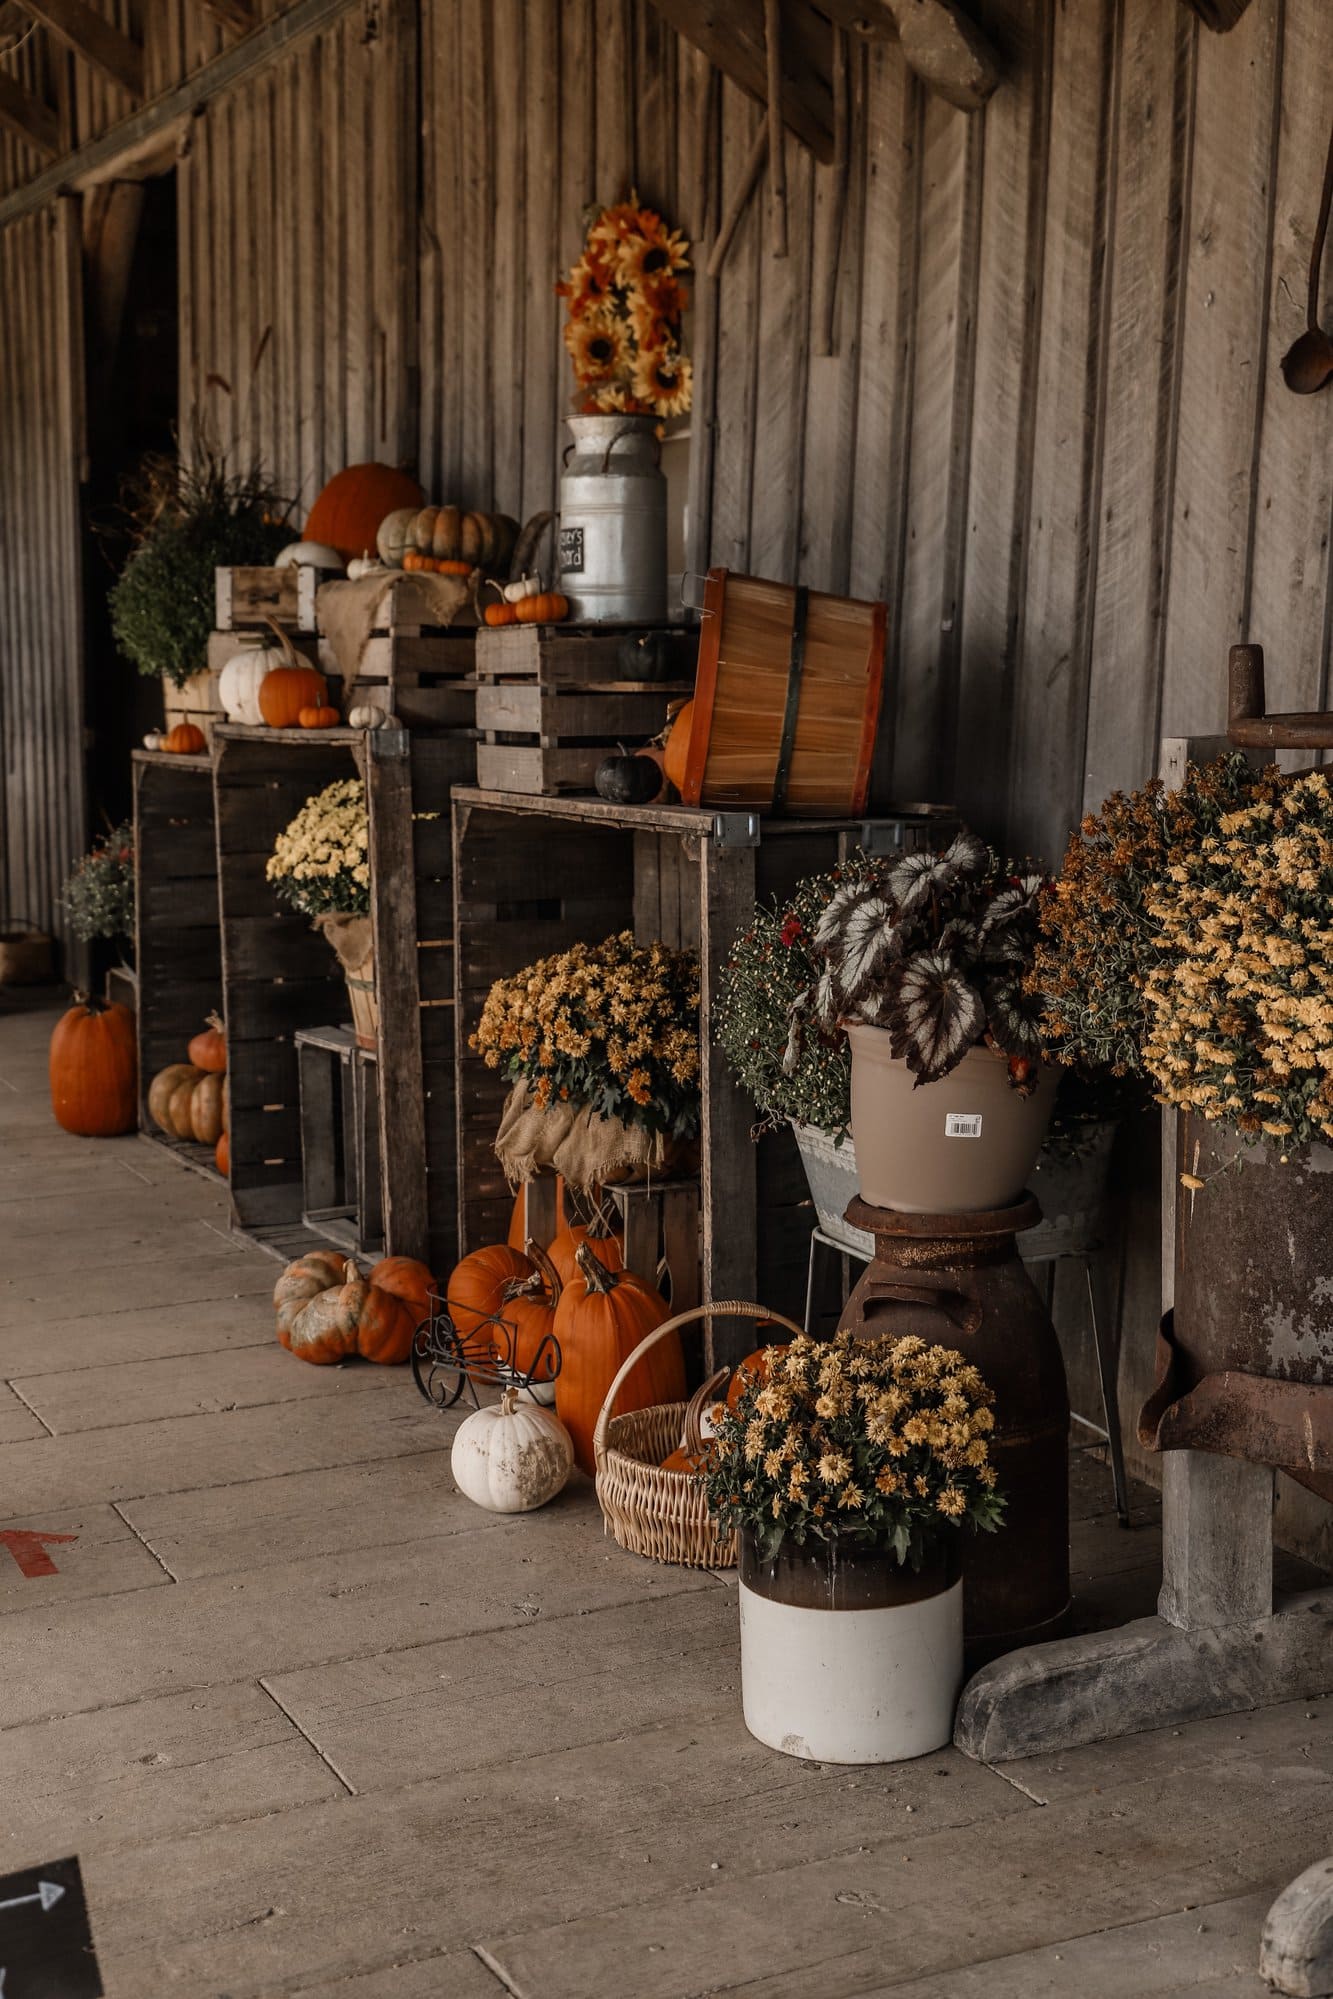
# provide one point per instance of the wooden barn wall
(41, 637)
(298, 255)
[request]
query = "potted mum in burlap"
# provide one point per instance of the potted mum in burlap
(321, 866)
(602, 1044)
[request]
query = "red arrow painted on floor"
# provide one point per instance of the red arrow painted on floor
(28, 1547)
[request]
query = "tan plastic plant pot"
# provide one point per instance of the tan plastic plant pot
(956, 1147)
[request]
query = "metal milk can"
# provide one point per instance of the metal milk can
(613, 521)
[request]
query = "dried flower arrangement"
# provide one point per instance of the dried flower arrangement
(98, 896)
(1098, 938)
(880, 1442)
(320, 863)
(625, 300)
(612, 1026)
(188, 514)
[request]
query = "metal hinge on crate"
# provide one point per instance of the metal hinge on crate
(735, 829)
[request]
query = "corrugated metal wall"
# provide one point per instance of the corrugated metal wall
(41, 634)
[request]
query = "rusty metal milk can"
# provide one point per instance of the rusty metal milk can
(958, 1281)
(612, 542)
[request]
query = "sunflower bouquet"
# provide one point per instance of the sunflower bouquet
(610, 1027)
(320, 863)
(625, 300)
(884, 1443)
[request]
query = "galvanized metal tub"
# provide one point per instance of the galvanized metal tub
(612, 540)
(1072, 1183)
(830, 1170)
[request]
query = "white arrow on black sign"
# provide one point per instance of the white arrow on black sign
(48, 1893)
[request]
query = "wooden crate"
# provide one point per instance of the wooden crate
(197, 699)
(552, 702)
(340, 1139)
(178, 947)
(248, 598)
(533, 875)
(280, 976)
(420, 672)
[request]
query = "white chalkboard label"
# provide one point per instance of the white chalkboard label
(46, 1943)
(571, 550)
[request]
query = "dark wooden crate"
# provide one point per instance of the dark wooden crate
(178, 947)
(421, 673)
(247, 598)
(281, 976)
(533, 875)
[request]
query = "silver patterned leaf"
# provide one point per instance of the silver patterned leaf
(836, 911)
(1014, 1017)
(939, 1015)
(869, 938)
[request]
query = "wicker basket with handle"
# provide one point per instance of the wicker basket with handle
(27, 953)
(664, 1514)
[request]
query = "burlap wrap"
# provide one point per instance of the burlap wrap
(349, 613)
(569, 1139)
(353, 939)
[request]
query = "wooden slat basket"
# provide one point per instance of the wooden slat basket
(651, 1511)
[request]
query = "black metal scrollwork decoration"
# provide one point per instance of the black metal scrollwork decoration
(446, 1362)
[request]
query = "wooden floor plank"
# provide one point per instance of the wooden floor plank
(102, 1557)
(149, 1391)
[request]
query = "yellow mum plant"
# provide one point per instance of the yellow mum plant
(320, 863)
(885, 1443)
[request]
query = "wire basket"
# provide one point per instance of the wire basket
(651, 1511)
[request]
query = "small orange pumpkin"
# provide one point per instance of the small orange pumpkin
(208, 1049)
(501, 614)
(185, 740)
(286, 690)
(476, 1290)
(548, 608)
(677, 750)
(414, 561)
(605, 1245)
(444, 567)
(318, 718)
(222, 1156)
(753, 1368)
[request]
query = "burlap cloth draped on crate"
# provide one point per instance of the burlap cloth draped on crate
(569, 1139)
(349, 614)
(353, 939)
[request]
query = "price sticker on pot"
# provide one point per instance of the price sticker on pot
(962, 1124)
(571, 549)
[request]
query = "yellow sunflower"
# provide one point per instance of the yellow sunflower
(650, 254)
(588, 287)
(664, 381)
(597, 349)
(655, 311)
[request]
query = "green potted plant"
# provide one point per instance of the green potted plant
(320, 864)
(189, 515)
(98, 895)
(847, 1468)
(601, 1043)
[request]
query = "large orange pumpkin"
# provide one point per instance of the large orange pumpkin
(327, 1311)
(285, 691)
(348, 512)
(529, 1310)
(477, 1289)
(607, 1247)
(677, 750)
(93, 1069)
(601, 1318)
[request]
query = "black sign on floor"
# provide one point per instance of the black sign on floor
(46, 1943)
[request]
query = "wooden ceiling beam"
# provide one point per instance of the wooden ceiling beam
(28, 118)
(731, 34)
(941, 42)
(237, 16)
(93, 38)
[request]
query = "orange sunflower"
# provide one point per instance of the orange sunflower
(664, 381)
(655, 310)
(588, 287)
(652, 254)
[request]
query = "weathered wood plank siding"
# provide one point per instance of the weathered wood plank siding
(41, 632)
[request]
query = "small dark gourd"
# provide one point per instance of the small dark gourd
(627, 780)
(650, 656)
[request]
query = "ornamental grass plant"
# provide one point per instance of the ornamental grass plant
(878, 1443)
(320, 863)
(611, 1026)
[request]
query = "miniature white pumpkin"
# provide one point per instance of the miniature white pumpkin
(513, 1457)
(395, 535)
(364, 565)
(153, 740)
(527, 586)
(241, 678)
(310, 555)
(366, 718)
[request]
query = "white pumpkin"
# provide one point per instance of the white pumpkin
(527, 586)
(153, 740)
(364, 565)
(241, 678)
(395, 535)
(513, 1457)
(366, 718)
(310, 555)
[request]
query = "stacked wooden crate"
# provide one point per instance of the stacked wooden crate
(412, 669)
(248, 603)
(552, 701)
